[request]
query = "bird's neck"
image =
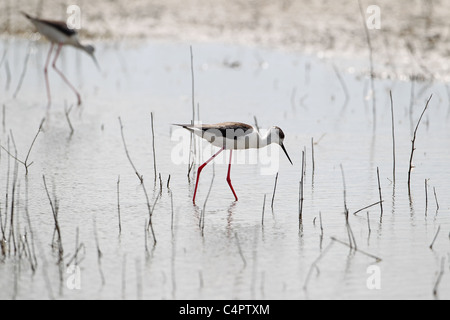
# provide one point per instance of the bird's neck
(78, 45)
(265, 140)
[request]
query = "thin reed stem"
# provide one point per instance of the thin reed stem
(274, 190)
(377, 259)
(140, 177)
(25, 163)
(435, 237)
(426, 197)
(150, 212)
(381, 196)
(153, 145)
(345, 192)
(99, 254)
(393, 137)
(301, 190)
(439, 278)
(413, 146)
(118, 205)
(435, 198)
(312, 157)
(67, 113)
(368, 223)
(263, 211)
(54, 207)
(369, 206)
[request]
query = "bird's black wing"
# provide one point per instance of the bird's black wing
(58, 25)
(236, 129)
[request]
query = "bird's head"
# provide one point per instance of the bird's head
(90, 51)
(276, 135)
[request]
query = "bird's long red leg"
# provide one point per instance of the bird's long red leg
(49, 97)
(229, 178)
(200, 170)
(58, 51)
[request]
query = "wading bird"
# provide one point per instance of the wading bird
(59, 34)
(234, 136)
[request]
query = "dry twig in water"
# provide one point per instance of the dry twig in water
(25, 163)
(351, 236)
(439, 278)
(435, 197)
(54, 206)
(141, 178)
(413, 146)
(153, 145)
(435, 237)
(150, 212)
(263, 211)
(301, 191)
(372, 205)
(274, 190)
(393, 136)
(312, 158)
(426, 197)
(67, 113)
(368, 223)
(377, 259)
(99, 254)
(118, 205)
(381, 196)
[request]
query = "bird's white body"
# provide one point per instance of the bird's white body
(234, 136)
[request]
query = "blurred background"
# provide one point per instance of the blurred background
(413, 39)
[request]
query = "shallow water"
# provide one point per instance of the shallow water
(237, 256)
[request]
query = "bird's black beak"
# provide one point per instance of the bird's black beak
(284, 149)
(96, 62)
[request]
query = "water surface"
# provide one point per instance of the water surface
(236, 256)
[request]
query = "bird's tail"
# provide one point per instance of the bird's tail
(27, 15)
(185, 126)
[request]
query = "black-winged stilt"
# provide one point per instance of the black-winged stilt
(58, 33)
(234, 136)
